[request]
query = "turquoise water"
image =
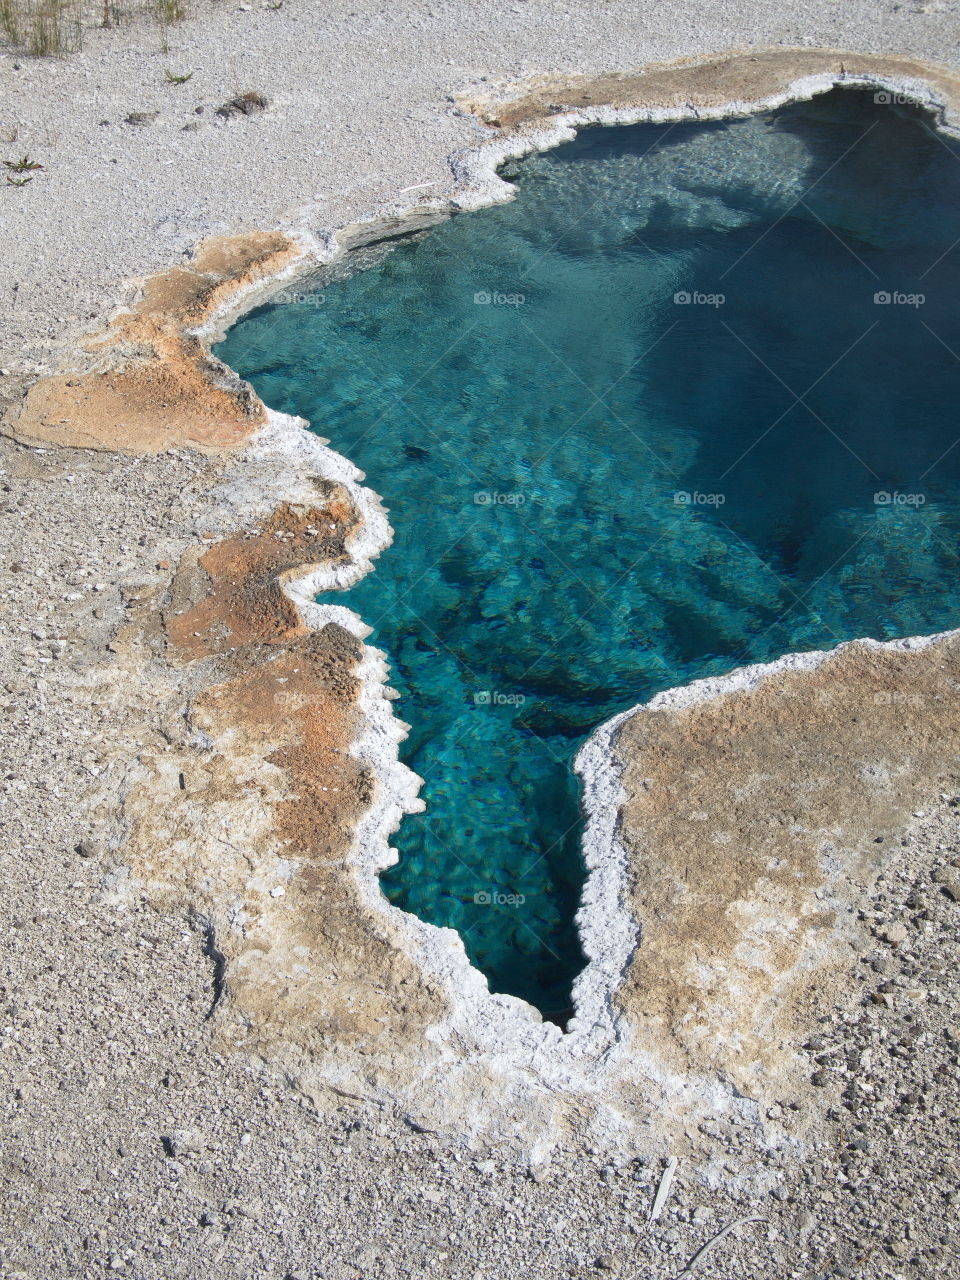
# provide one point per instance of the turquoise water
(600, 490)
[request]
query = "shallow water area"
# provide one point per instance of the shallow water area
(687, 402)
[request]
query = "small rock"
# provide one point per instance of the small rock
(820, 1079)
(606, 1262)
(244, 104)
(183, 1142)
(142, 118)
(89, 848)
(895, 933)
(949, 883)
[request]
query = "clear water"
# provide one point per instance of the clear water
(599, 491)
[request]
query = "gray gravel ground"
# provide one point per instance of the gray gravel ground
(128, 1146)
(360, 109)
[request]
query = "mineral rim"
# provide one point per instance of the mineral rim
(733, 825)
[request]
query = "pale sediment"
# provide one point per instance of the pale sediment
(702, 953)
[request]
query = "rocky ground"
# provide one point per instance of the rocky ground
(129, 1144)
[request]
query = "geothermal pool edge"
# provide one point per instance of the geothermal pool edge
(470, 1039)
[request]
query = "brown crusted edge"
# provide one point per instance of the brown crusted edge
(149, 384)
(698, 83)
(754, 821)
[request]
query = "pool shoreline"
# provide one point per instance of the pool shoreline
(465, 1036)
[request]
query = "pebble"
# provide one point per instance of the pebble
(895, 934)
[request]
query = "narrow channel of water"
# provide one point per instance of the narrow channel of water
(689, 401)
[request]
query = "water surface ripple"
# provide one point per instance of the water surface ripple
(678, 407)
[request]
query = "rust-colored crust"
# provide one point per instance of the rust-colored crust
(246, 604)
(696, 83)
(253, 819)
(149, 384)
(316, 965)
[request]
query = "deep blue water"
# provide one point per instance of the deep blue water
(600, 490)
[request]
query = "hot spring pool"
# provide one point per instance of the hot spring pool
(689, 401)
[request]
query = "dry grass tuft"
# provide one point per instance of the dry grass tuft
(54, 28)
(44, 28)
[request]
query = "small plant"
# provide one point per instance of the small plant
(26, 165)
(175, 79)
(167, 11)
(10, 16)
(19, 182)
